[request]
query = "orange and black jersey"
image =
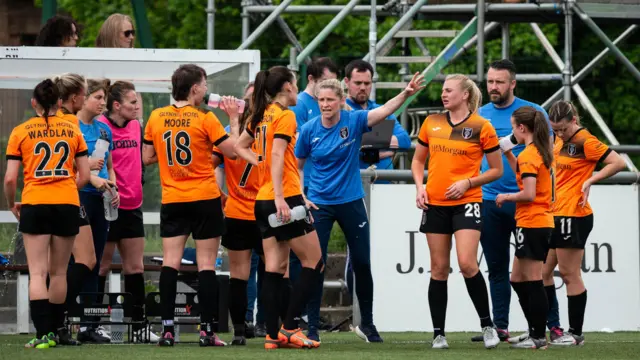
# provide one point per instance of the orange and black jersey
(243, 184)
(183, 138)
(47, 150)
(68, 116)
(277, 122)
(455, 153)
(535, 214)
(576, 159)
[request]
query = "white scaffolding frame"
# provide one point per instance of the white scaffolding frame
(563, 11)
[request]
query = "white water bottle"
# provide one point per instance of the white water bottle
(215, 100)
(219, 259)
(508, 142)
(297, 213)
(117, 326)
(110, 211)
(102, 146)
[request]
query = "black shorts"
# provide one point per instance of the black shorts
(201, 219)
(128, 225)
(84, 219)
(571, 232)
(533, 243)
(58, 220)
(264, 208)
(242, 235)
(439, 219)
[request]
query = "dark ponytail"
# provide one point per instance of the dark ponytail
(46, 94)
(259, 99)
(267, 85)
(541, 138)
(535, 121)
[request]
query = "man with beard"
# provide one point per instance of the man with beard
(499, 223)
(358, 78)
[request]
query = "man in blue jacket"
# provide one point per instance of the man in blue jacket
(499, 223)
(358, 78)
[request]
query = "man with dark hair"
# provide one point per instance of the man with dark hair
(307, 107)
(358, 78)
(499, 223)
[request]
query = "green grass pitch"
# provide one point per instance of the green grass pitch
(401, 346)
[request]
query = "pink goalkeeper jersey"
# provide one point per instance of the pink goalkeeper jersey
(127, 161)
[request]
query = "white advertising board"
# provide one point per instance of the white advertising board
(400, 266)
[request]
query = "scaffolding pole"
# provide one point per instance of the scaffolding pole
(460, 9)
(586, 70)
(473, 77)
(506, 41)
(568, 44)
(293, 55)
(584, 99)
(396, 27)
(211, 23)
(264, 25)
(246, 21)
(605, 39)
(480, 44)
(373, 39)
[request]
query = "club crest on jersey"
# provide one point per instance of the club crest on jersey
(344, 132)
(104, 135)
(467, 133)
(571, 149)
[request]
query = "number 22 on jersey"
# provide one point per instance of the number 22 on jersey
(43, 169)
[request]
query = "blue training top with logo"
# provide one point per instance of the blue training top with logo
(404, 141)
(500, 118)
(306, 109)
(333, 153)
(91, 133)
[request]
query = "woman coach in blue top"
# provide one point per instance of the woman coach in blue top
(331, 142)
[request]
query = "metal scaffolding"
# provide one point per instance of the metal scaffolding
(483, 18)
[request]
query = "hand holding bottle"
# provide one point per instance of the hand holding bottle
(214, 101)
(230, 106)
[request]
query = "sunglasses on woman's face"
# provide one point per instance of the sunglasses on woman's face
(129, 33)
